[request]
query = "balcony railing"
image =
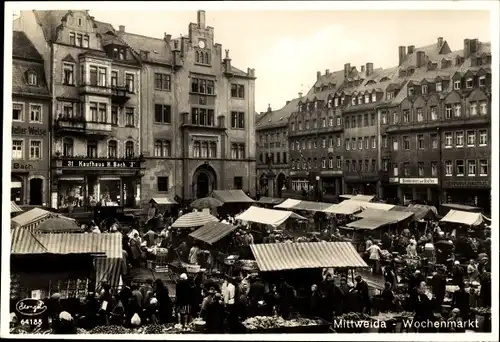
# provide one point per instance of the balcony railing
(95, 89)
(79, 125)
(120, 94)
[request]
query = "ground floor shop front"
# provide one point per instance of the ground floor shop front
(28, 188)
(474, 197)
(87, 183)
(404, 191)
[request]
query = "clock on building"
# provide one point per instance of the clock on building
(201, 44)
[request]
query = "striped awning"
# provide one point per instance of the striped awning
(108, 270)
(232, 196)
(291, 256)
(194, 219)
(24, 242)
(270, 200)
(289, 203)
(14, 208)
(212, 232)
(29, 217)
(58, 225)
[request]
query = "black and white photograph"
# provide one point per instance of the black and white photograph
(320, 169)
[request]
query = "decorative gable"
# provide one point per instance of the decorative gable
(69, 59)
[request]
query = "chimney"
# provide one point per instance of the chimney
(362, 68)
(411, 49)
(369, 69)
(121, 28)
(318, 75)
(347, 70)
(440, 42)
(466, 48)
(402, 54)
(201, 19)
(474, 45)
(227, 62)
(420, 59)
(327, 72)
(269, 109)
(300, 95)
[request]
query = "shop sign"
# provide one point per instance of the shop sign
(100, 163)
(21, 166)
(35, 131)
(468, 184)
(415, 181)
(394, 180)
(31, 312)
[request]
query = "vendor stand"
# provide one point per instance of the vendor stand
(269, 202)
(32, 218)
(234, 201)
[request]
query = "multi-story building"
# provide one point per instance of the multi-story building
(271, 130)
(94, 80)
(156, 116)
(438, 129)
(30, 125)
(315, 139)
(198, 115)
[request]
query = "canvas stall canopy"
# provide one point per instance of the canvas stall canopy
(32, 218)
(292, 256)
(163, 201)
(391, 217)
(463, 217)
(289, 203)
(231, 196)
(267, 216)
(362, 198)
(310, 206)
(270, 200)
(213, 232)
(344, 208)
(368, 223)
(14, 208)
(421, 211)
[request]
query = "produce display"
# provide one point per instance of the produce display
(354, 316)
(270, 322)
(406, 314)
(109, 330)
(482, 311)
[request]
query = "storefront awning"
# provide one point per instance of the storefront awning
(163, 201)
(363, 198)
(24, 242)
(232, 196)
(14, 208)
(212, 232)
(463, 217)
(391, 217)
(368, 223)
(270, 200)
(311, 206)
(292, 256)
(267, 216)
(289, 203)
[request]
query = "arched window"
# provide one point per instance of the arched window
(213, 150)
(113, 149)
(241, 151)
(196, 149)
(197, 57)
(234, 151)
(204, 149)
(206, 58)
(68, 147)
(129, 149)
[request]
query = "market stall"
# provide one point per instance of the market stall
(270, 201)
(194, 219)
(362, 198)
(32, 218)
(14, 208)
(58, 225)
(287, 204)
(234, 201)
(463, 217)
(270, 217)
(421, 212)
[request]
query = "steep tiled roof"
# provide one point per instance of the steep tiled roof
(19, 78)
(50, 22)
(23, 48)
(103, 28)
(335, 78)
(431, 51)
(278, 117)
(159, 50)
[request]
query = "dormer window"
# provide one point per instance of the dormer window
(482, 81)
(374, 97)
(79, 21)
(316, 105)
(424, 89)
(390, 95)
(457, 85)
(411, 91)
(353, 101)
(32, 78)
(367, 98)
(439, 87)
(360, 99)
(330, 103)
(342, 100)
(119, 53)
(469, 83)
(336, 102)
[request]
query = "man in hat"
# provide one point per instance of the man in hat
(363, 294)
(438, 285)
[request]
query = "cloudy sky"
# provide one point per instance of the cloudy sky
(287, 47)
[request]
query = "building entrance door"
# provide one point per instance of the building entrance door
(36, 191)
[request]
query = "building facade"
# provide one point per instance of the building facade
(271, 131)
(94, 79)
(417, 132)
(198, 123)
(30, 168)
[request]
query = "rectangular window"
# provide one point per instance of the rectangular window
(102, 77)
(338, 162)
(448, 139)
(471, 168)
(92, 149)
(114, 79)
(237, 120)
(367, 98)
(395, 170)
(374, 142)
(367, 143)
(374, 97)
(424, 89)
(434, 141)
(163, 114)
(385, 141)
(406, 116)
(469, 83)
(420, 142)
(482, 81)
(72, 40)
(129, 82)
(457, 85)
(17, 112)
(458, 110)
(17, 149)
(473, 109)
(439, 87)
(448, 168)
(102, 112)
(395, 144)
(330, 121)
(384, 118)
(448, 111)
(347, 144)
(68, 74)
(395, 117)
(360, 143)
(86, 41)
(35, 113)
(323, 163)
(162, 81)
(323, 142)
(385, 165)
(483, 137)
(130, 117)
(434, 115)
(238, 91)
(114, 115)
(471, 138)
(339, 141)
(483, 168)
(459, 167)
(421, 172)
(93, 112)
(162, 184)
(406, 169)
(93, 75)
(339, 121)
(406, 143)
(79, 39)
(459, 139)
(420, 115)
(35, 149)
(483, 108)
(434, 168)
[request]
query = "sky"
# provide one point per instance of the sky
(287, 48)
